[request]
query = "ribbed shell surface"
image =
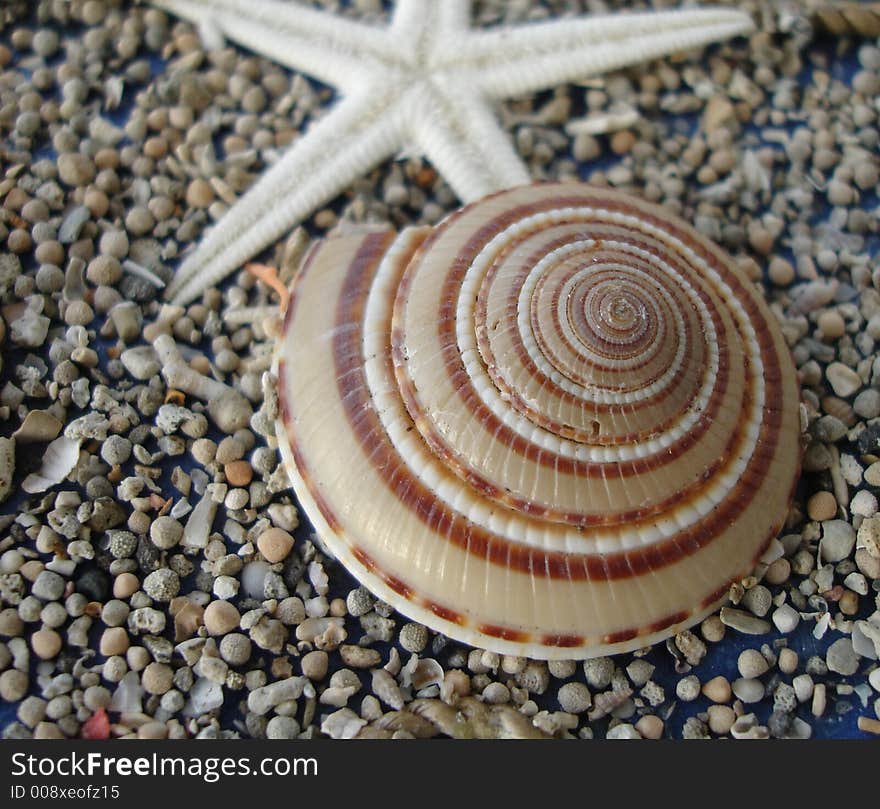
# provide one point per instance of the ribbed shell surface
(559, 424)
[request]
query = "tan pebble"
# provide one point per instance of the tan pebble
(199, 194)
(200, 364)
(359, 657)
(30, 570)
(314, 665)
(780, 271)
(778, 571)
(275, 544)
(831, 324)
(650, 727)
(155, 147)
(712, 629)
(788, 661)
(97, 202)
(125, 585)
(760, 239)
(722, 161)
(819, 700)
(869, 725)
(157, 678)
(221, 617)
(622, 141)
(46, 643)
(48, 730)
(13, 685)
(849, 603)
(822, 506)
(114, 641)
(137, 658)
(153, 730)
(238, 473)
(721, 719)
(717, 689)
(338, 608)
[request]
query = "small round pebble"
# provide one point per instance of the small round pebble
(221, 617)
(46, 643)
(650, 727)
(165, 532)
(114, 641)
(788, 660)
(162, 585)
(75, 169)
(282, 727)
(598, 671)
(717, 689)
(721, 719)
(748, 690)
(157, 678)
(199, 194)
(239, 473)
(235, 649)
(314, 665)
(822, 506)
(785, 618)
(757, 600)
(125, 585)
(497, 694)
(863, 503)
(413, 637)
(687, 689)
(712, 629)
(13, 685)
(751, 663)
(275, 544)
(574, 698)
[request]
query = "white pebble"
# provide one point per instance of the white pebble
(786, 618)
(748, 690)
(623, 731)
(803, 687)
(225, 587)
(838, 538)
(863, 503)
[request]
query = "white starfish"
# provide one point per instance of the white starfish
(428, 81)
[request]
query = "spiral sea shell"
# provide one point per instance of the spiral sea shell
(559, 424)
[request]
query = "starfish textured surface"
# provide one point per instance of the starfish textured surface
(425, 82)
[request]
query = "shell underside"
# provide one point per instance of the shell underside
(559, 424)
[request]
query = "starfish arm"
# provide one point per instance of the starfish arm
(532, 57)
(329, 48)
(451, 15)
(459, 135)
(350, 140)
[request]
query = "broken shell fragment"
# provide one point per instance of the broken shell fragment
(559, 424)
(58, 462)
(38, 426)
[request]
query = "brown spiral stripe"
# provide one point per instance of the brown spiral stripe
(558, 424)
